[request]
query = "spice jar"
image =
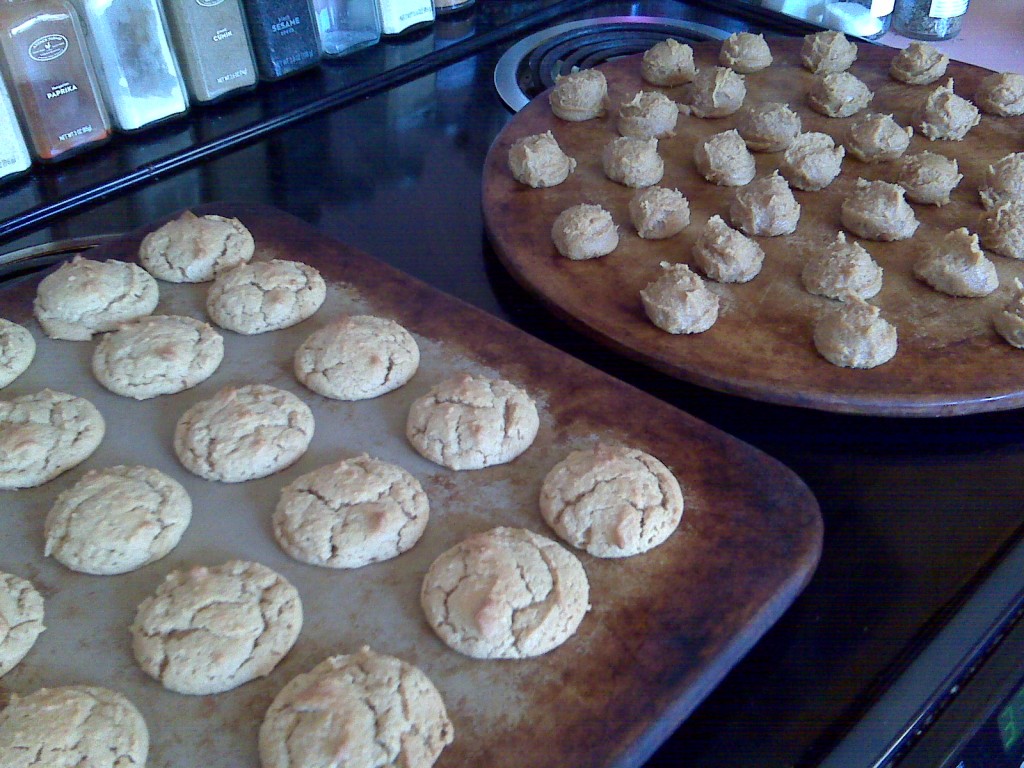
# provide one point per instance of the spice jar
(346, 26)
(400, 16)
(14, 156)
(929, 19)
(442, 7)
(869, 19)
(283, 36)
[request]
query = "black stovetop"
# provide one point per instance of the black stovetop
(916, 511)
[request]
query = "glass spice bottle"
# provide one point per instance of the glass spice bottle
(442, 7)
(283, 36)
(929, 19)
(14, 156)
(346, 26)
(400, 16)
(51, 78)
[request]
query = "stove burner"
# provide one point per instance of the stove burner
(531, 65)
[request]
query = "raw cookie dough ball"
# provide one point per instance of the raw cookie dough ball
(650, 114)
(471, 422)
(1004, 181)
(745, 53)
(876, 138)
(1002, 229)
(812, 161)
(928, 177)
(351, 513)
(727, 255)
(918, 64)
(506, 593)
(633, 162)
(944, 115)
(855, 335)
(1009, 321)
(539, 162)
(769, 127)
(584, 231)
(658, 213)
(1001, 94)
(85, 296)
(578, 96)
(838, 94)
(679, 301)
(668, 63)
(76, 725)
(117, 519)
(765, 207)
(724, 159)
(958, 267)
(45, 434)
(877, 211)
(841, 270)
(717, 92)
(21, 623)
(208, 630)
(17, 348)
(827, 51)
(372, 709)
(194, 249)
(611, 500)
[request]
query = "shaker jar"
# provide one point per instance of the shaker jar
(929, 19)
(868, 19)
(346, 26)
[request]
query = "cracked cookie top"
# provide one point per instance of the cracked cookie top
(470, 422)
(74, 725)
(17, 348)
(208, 630)
(352, 513)
(361, 710)
(265, 296)
(507, 593)
(194, 249)
(242, 433)
(117, 519)
(21, 620)
(45, 434)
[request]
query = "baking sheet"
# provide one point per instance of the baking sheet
(664, 627)
(950, 359)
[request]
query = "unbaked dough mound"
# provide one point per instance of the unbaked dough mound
(958, 267)
(769, 127)
(539, 162)
(633, 162)
(727, 255)
(659, 213)
(584, 231)
(724, 159)
(1009, 321)
(650, 114)
(855, 335)
(1001, 229)
(717, 92)
(765, 207)
(876, 138)
(1004, 181)
(928, 177)
(828, 51)
(679, 302)
(838, 94)
(668, 63)
(919, 64)
(1001, 94)
(842, 270)
(877, 211)
(579, 96)
(944, 115)
(745, 52)
(812, 161)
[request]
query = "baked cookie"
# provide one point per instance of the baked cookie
(668, 62)
(633, 162)
(745, 52)
(208, 630)
(928, 177)
(650, 114)
(195, 249)
(918, 64)
(678, 301)
(85, 296)
(765, 207)
(877, 211)
(658, 212)
(768, 127)
(842, 270)
(538, 161)
(875, 138)
(611, 500)
(717, 92)
(828, 51)
(265, 296)
(117, 519)
(584, 231)
(17, 348)
(1001, 229)
(944, 115)
(21, 623)
(242, 433)
(838, 94)
(1009, 321)
(727, 255)
(157, 355)
(351, 513)
(724, 159)
(45, 434)
(1004, 181)
(580, 95)
(506, 593)
(371, 709)
(76, 725)
(812, 161)
(958, 267)
(1001, 94)
(357, 357)
(471, 422)
(855, 335)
